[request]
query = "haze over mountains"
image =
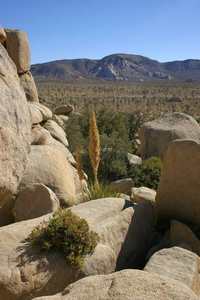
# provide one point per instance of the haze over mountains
(117, 67)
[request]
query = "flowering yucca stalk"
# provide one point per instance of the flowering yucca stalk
(79, 169)
(94, 147)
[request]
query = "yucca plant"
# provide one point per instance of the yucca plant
(104, 190)
(94, 147)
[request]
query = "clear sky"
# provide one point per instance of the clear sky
(164, 30)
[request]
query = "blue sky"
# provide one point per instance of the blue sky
(164, 30)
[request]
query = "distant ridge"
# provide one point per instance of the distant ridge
(118, 67)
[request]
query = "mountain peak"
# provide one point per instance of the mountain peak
(118, 66)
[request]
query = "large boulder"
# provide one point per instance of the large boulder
(27, 272)
(123, 185)
(17, 45)
(15, 128)
(125, 285)
(39, 112)
(133, 159)
(64, 110)
(59, 121)
(178, 194)
(57, 132)
(34, 201)
(143, 195)
(181, 233)
(177, 263)
(155, 136)
(29, 87)
(49, 165)
(41, 136)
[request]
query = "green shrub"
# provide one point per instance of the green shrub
(147, 174)
(67, 233)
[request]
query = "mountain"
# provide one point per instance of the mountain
(117, 67)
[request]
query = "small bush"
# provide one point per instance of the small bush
(147, 174)
(67, 233)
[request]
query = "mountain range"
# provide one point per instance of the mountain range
(117, 67)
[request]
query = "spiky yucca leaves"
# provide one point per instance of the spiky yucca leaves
(94, 147)
(104, 190)
(79, 168)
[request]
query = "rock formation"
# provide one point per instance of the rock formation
(175, 263)
(143, 195)
(155, 136)
(34, 201)
(27, 272)
(126, 285)
(33, 146)
(178, 194)
(2, 35)
(28, 83)
(17, 45)
(15, 128)
(123, 186)
(48, 165)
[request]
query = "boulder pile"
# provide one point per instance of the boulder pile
(134, 259)
(33, 155)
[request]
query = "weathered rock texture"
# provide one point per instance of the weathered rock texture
(27, 272)
(182, 234)
(41, 136)
(2, 35)
(125, 285)
(39, 112)
(59, 121)
(56, 131)
(64, 110)
(34, 201)
(15, 128)
(17, 45)
(123, 185)
(155, 136)
(178, 194)
(143, 195)
(49, 165)
(177, 263)
(6, 216)
(28, 83)
(133, 159)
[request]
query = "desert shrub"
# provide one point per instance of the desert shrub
(109, 121)
(67, 233)
(133, 121)
(113, 158)
(74, 133)
(147, 174)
